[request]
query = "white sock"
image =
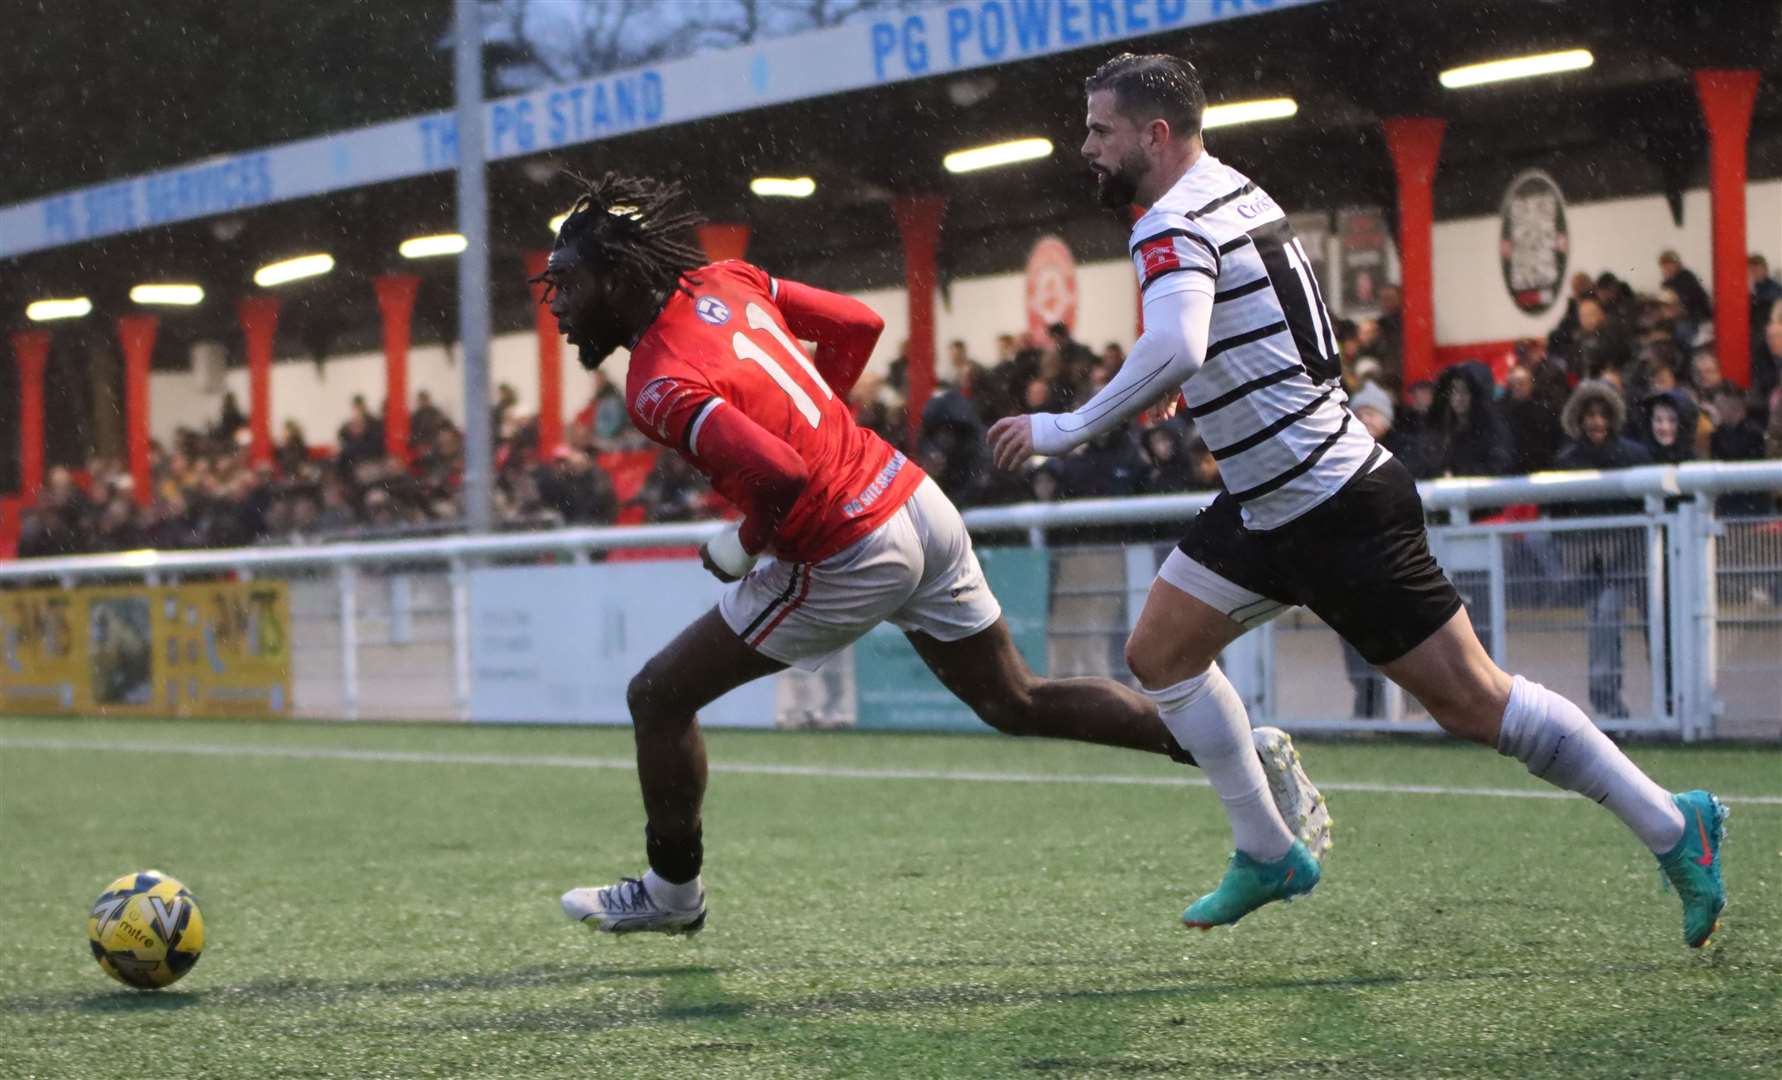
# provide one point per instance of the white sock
(667, 894)
(1207, 717)
(1560, 745)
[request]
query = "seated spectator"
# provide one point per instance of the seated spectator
(1534, 428)
(1170, 468)
(231, 421)
(1766, 350)
(1705, 376)
(673, 491)
(1667, 427)
(425, 421)
(1373, 407)
(1602, 344)
(292, 454)
(1465, 436)
(952, 448)
(962, 372)
(577, 489)
(1107, 466)
(1737, 437)
(1697, 308)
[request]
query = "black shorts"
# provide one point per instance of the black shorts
(1360, 560)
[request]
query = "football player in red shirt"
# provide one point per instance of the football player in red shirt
(840, 530)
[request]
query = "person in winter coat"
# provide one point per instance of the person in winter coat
(1667, 426)
(1465, 435)
(1608, 563)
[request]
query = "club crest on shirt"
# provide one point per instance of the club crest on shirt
(712, 310)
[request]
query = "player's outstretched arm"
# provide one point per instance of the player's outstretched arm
(1172, 347)
(756, 470)
(844, 329)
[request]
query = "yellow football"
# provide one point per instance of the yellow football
(145, 930)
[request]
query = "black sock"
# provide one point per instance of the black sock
(677, 860)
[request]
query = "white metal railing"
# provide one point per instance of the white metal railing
(399, 611)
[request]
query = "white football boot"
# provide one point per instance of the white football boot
(629, 908)
(1301, 805)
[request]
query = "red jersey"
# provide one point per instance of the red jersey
(720, 378)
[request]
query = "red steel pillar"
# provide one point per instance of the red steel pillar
(919, 222)
(396, 303)
(30, 348)
(1416, 145)
(259, 324)
(137, 335)
(1726, 97)
(550, 362)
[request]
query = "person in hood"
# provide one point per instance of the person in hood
(1166, 445)
(1667, 426)
(1465, 435)
(1608, 563)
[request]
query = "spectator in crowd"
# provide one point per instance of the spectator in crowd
(1075, 363)
(1705, 377)
(231, 420)
(1668, 426)
(293, 450)
(1533, 426)
(1737, 437)
(1772, 436)
(1766, 349)
(673, 491)
(1617, 299)
(1602, 343)
(1007, 345)
(1465, 435)
(507, 399)
(578, 490)
(607, 423)
(1604, 560)
(361, 438)
(425, 421)
(1373, 407)
(1390, 324)
(1563, 339)
(1697, 308)
(962, 372)
(952, 448)
(1170, 469)
(1108, 466)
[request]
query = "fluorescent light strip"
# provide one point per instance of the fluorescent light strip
(47, 310)
(1517, 67)
(293, 269)
(783, 187)
(1004, 153)
(179, 295)
(1244, 112)
(426, 247)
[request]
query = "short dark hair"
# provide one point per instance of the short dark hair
(1151, 86)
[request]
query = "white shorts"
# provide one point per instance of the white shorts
(916, 571)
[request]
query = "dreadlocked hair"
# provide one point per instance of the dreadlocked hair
(642, 228)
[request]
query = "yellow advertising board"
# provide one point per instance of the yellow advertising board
(42, 663)
(219, 649)
(224, 649)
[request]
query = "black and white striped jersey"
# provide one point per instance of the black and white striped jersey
(1268, 398)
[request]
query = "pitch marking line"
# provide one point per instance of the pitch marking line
(824, 772)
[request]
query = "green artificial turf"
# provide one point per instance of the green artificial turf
(397, 918)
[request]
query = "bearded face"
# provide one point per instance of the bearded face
(1117, 187)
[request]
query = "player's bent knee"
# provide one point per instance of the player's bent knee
(647, 697)
(1159, 664)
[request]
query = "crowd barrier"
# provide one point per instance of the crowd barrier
(1664, 621)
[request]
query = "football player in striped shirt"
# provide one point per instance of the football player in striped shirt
(1313, 512)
